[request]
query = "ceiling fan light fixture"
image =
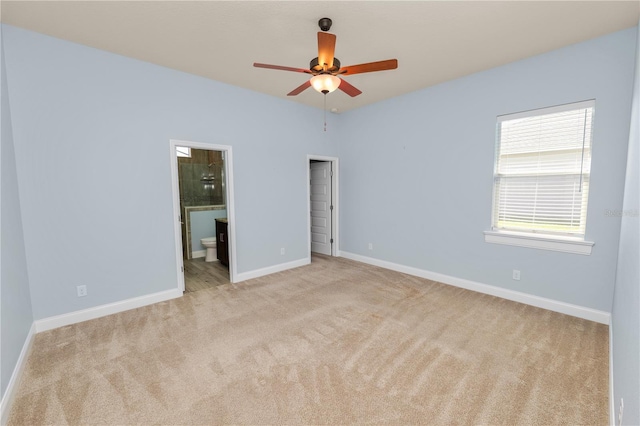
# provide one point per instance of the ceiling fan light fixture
(325, 83)
(325, 68)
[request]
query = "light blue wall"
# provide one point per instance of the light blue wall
(92, 131)
(203, 225)
(427, 157)
(626, 301)
(16, 316)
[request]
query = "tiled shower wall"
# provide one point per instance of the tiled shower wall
(202, 163)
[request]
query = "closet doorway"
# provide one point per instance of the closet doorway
(323, 205)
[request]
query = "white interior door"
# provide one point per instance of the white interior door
(320, 173)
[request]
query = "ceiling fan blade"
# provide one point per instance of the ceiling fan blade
(389, 64)
(348, 88)
(278, 67)
(326, 48)
(304, 86)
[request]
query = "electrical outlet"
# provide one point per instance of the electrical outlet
(282, 251)
(370, 246)
(621, 412)
(82, 290)
(516, 275)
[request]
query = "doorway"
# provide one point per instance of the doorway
(203, 206)
(323, 205)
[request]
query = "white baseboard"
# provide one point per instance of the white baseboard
(12, 386)
(516, 296)
(272, 269)
(612, 401)
(198, 253)
(104, 310)
(136, 302)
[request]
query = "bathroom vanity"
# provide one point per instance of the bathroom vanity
(222, 235)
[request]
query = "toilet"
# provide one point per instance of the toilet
(210, 244)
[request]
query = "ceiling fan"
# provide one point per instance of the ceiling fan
(326, 68)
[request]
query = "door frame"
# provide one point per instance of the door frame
(335, 162)
(230, 203)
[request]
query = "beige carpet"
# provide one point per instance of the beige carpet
(331, 343)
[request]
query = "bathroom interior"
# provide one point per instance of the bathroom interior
(203, 209)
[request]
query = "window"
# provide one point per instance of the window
(183, 151)
(541, 175)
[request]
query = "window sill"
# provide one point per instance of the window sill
(563, 244)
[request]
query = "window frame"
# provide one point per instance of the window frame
(536, 238)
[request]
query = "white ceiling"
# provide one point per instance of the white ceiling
(434, 41)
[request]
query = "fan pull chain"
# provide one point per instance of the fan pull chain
(325, 112)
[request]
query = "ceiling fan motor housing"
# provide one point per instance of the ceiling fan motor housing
(318, 68)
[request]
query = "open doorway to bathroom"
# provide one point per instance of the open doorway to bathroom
(201, 201)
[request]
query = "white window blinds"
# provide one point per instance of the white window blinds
(541, 178)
